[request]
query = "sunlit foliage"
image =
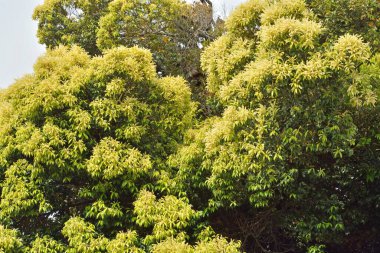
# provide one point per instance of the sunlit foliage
(100, 150)
(296, 127)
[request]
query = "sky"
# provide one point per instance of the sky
(19, 47)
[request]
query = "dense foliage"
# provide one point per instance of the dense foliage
(296, 146)
(70, 22)
(359, 17)
(173, 30)
(101, 150)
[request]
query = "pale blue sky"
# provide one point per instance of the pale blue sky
(18, 43)
(19, 46)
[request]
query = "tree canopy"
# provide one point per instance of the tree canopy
(293, 150)
(172, 29)
(102, 148)
(70, 22)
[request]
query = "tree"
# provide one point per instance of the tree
(70, 22)
(291, 162)
(102, 153)
(81, 137)
(359, 17)
(82, 141)
(174, 31)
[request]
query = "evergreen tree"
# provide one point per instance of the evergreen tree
(100, 150)
(292, 161)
